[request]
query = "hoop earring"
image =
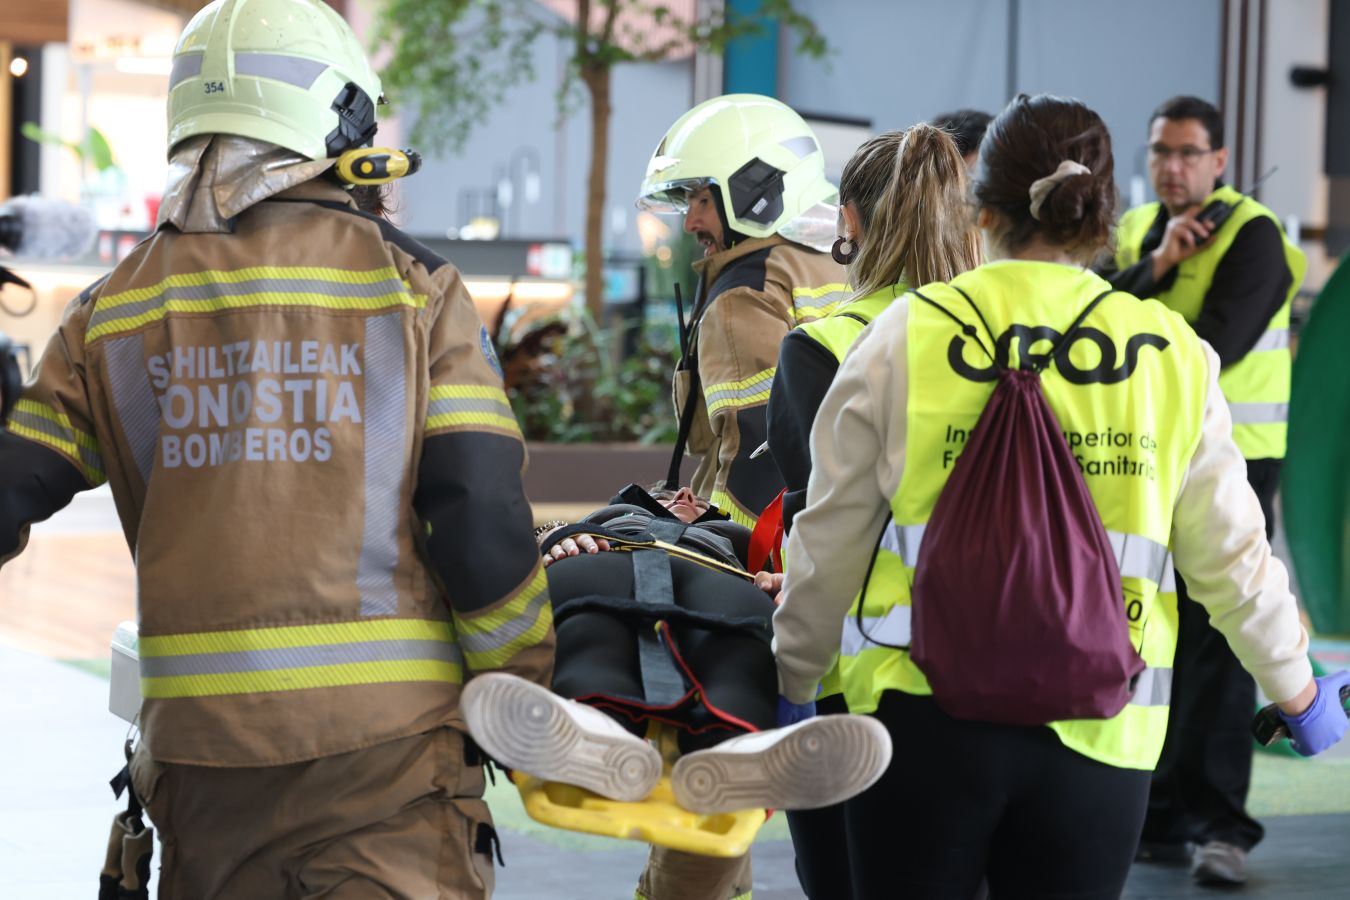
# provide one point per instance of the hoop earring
(841, 255)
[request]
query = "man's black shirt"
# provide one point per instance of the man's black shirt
(1249, 286)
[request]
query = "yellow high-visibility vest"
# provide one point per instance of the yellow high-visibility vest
(1129, 395)
(1256, 386)
(836, 333)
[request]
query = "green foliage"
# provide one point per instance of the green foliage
(565, 387)
(93, 149)
(454, 60)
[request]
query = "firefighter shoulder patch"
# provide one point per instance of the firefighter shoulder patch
(489, 351)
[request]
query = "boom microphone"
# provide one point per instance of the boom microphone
(41, 227)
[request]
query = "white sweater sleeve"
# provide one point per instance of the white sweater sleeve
(1220, 547)
(857, 453)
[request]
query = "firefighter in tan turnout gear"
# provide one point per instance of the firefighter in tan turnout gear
(303, 425)
(749, 176)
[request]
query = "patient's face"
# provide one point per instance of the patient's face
(684, 505)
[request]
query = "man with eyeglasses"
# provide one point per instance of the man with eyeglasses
(1232, 277)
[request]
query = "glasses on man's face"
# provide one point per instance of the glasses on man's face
(1161, 154)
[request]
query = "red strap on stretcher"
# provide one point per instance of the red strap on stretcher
(766, 541)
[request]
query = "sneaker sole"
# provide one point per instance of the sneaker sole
(824, 761)
(527, 727)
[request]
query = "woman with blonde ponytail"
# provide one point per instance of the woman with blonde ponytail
(904, 221)
(938, 522)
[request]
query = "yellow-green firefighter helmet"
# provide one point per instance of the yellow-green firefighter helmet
(760, 156)
(289, 72)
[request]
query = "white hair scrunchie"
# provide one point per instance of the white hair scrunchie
(1041, 187)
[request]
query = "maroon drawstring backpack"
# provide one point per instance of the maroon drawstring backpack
(1018, 613)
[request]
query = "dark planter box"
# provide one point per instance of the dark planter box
(592, 473)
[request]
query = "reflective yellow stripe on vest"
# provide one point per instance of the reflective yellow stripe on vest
(1155, 395)
(1256, 386)
(266, 660)
(837, 333)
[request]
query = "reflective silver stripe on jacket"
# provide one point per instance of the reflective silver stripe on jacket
(1136, 556)
(1258, 413)
(806, 303)
(451, 405)
(299, 657)
(137, 409)
(508, 631)
(385, 421)
(206, 294)
(90, 456)
(1273, 339)
(1154, 688)
(892, 628)
(904, 541)
(729, 391)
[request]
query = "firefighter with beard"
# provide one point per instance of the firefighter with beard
(748, 175)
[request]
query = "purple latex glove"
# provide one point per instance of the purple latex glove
(792, 713)
(1324, 722)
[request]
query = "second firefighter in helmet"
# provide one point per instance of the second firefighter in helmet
(748, 175)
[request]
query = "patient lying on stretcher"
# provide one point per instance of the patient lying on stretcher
(657, 619)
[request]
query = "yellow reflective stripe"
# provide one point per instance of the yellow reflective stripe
(252, 273)
(296, 636)
(489, 641)
(818, 302)
(274, 680)
(449, 420)
(467, 392)
(245, 301)
(489, 622)
(47, 426)
(479, 405)
(746, 392)
(722, 500)
(500, 656)
(832, 288)
(209, 291)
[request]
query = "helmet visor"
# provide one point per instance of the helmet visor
(672, 196)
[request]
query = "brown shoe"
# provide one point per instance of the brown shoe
(1218, 864)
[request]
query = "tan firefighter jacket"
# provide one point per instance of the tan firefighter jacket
(750, 296)
(317, 471)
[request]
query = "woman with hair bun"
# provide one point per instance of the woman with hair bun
(903, 220)
(1052, 809)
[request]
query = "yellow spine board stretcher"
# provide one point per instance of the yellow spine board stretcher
(657, 819)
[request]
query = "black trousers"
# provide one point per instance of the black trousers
(962, 800)
(820, 838)
(1200, 787)
(597, 652)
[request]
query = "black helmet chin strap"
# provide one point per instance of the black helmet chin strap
(730, 236)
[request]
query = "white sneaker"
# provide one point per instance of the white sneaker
(527, 727)
(815, 763)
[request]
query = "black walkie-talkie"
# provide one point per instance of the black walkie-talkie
(1216, 212)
